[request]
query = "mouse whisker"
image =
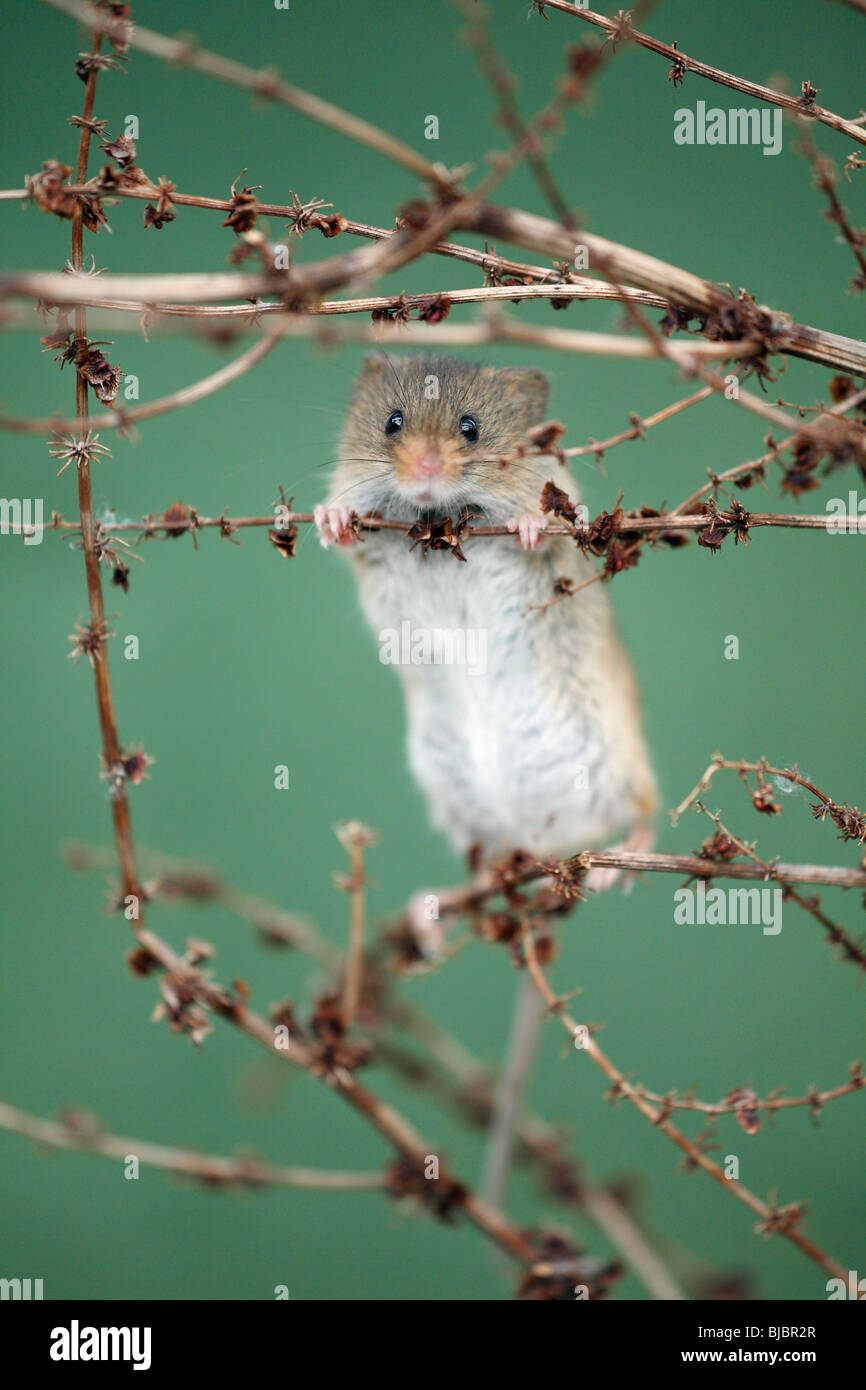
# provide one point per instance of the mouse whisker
(401, 397)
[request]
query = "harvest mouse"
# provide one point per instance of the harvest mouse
(536, 743)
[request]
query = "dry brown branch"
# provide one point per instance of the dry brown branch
(494, 266)
(772, 330)
(431, 337)
(842, 437)
(355, 838)
(185, 984)
(582, 66)
(784, 1221)
(188, 985)
(621, 30)
(446, 1067)
(112, 753)
(762, 769)
(639, 426)
(852, 950)
(631, 267)
(745, 1104)
(716, 860)
(826, 179)
(847, 818)
(719, 312)
(616, 262)
(692, 866)
(729, 328)
(577, 289)
(75, 1129)
(755, 467)
(173, 523)
(527, 138)
(262, 83)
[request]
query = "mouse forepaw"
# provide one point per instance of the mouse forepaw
(528, 527)
(334, 525)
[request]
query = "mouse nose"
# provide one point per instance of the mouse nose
(428, 464)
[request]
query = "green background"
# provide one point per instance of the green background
(248, 661)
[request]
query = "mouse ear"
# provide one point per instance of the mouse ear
(377, 363)
(527, 386)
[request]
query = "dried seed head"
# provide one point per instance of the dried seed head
(77, 451)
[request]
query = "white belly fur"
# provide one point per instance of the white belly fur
(538, 751)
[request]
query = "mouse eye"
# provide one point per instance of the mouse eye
(469, 428)
(394, 422)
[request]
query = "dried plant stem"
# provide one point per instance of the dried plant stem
(742, 768)
(577, 289)
(502, 83)
(703, 869)
(772, 1220)
(354, 837)
(819, 431)
(383, 1117)
(852, 823)
(640, 426)
(627, 266)
(621, 30)
(825, 180)
(177, 879)
(463, 1081)
(71, 1133)
(610, 1215)
(690, 866)
(105, 702)
(262, 83)
(528, 138)
(850, 403)
(852, 950)
(616, 262)
(629, 524)
(488, 261)
(814, 1099)
(113, 419)
(831, 876)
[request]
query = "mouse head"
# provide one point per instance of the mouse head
(424, 421)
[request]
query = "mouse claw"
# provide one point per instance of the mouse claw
(529, 526)
(334, 525)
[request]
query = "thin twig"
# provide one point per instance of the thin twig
(174, 524)
(263, 83)
(487, 260)
(449, 1068)
(826, 179)
(630, 267)
(81, 1132)
(784, 1221)
(756, 466)
(852, 950)
(383, 1117)
(115, 419)
(111, 749)
(355, 838)
(762, 768)
(620, 29)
